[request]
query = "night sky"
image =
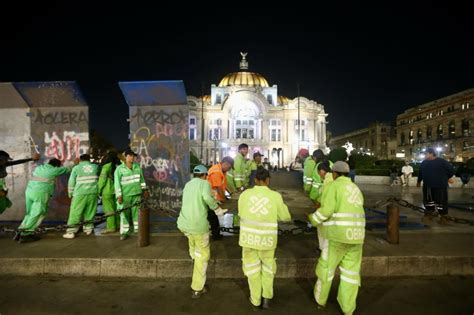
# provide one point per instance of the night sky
(362, 62)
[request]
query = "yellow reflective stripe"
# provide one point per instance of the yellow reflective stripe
(251, 272)
(344, 223)
(87, 177)
(253, 264)
(42, 179)
(348, 215)
(245, 221)
(323, 218)
(265, 268)
(315, 218)
(86, 181)
(349, 280)
(130, 181)
(349, 272)
(256, 231)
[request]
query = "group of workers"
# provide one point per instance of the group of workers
(120, 185)
(338, 203)
(339, 214)
(339, 218)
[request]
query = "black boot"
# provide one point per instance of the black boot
(29, 238)
(266, 303)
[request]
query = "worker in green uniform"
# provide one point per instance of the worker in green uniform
(38, 191)
(308, 168)
(254, 164)
(240, 167)
(192, 221)
(82, 188)
(130, 186)
(260, 209)
(342, 219)
(6, 160)
(107, 191)
(322, 167)
(229, 175)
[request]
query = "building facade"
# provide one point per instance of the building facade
(374, 140)
(244, 108)
(444, 124)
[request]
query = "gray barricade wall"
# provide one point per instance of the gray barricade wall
(159, 134)
(57, 127)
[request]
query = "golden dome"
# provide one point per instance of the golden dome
(244, 78)
(283, 100)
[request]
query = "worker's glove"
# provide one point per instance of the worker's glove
(219, 211)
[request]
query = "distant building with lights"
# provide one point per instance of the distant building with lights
(444, 124)
(244, 108)
(374, 140)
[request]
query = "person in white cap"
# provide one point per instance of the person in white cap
(342, 219)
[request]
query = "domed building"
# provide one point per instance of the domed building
(244, 108)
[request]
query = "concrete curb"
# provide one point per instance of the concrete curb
(379, 266)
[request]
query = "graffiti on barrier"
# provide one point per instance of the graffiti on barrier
(59, 118)
(66, 146)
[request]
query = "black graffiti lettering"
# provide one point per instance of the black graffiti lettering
(160, 117)
(63, 118)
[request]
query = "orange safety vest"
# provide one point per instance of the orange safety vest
(216, 178)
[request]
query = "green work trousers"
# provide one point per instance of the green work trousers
(4, 203)
(83, 207)
(36, 210)
(129, 217)
(348, 257)
(200, 252)
(109, 204)
(260, 267)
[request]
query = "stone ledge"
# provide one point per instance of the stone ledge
(381, 266)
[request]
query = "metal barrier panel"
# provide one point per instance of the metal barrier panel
(59, 119)
(159, 117)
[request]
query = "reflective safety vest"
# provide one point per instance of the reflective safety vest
(317, 183)
(106, 180)
(341, 213)
(229, 175)
(44, 176)
(260, 209)
(253, 166)
(197, 199)
(83, 179)
(309, 165)
(240, 171)
(217, 179)
(129, 182)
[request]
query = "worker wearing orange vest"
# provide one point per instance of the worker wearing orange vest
(218, 181)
